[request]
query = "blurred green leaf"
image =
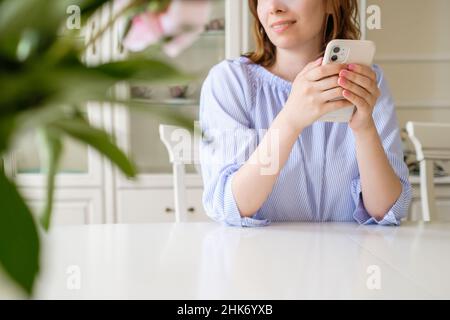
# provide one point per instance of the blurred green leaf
(33, 119)
(53, 147)
(7, 125)
(73, 83)
(147, 70)
(158, 5)
(42, 17)
(88, 7)
(19, 241)
(98, 139)
(24, 90)
(171, 115)
(28, 43)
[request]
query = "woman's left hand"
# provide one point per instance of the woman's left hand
(360, 88)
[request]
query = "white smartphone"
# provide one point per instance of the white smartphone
(347, 51)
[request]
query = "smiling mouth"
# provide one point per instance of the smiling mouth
(283, 26)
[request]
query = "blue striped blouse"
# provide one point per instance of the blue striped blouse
(320, 180)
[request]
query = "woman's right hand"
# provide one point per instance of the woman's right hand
(311, 92)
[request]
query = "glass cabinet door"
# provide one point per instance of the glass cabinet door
(26, 158)
(79, 164)
(144, 145)
(28, 161)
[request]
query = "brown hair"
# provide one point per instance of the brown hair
(342, 23)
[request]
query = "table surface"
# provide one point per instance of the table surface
(211, 261)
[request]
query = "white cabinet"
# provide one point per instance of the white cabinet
(89, 189)
(442, 207)
(145, 205)
(79, 182)
(442, 193)
(71, 206)
(156, 205)
(195, 208)
(83, 179)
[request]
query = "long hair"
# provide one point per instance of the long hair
(342, 23)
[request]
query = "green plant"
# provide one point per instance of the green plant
(43, 87)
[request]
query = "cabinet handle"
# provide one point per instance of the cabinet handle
(169, 210)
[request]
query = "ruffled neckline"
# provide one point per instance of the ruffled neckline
(266, 75)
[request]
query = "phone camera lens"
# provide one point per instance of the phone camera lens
(336, 49)
(334, 58)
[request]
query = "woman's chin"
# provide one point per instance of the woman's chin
(292, 42)
(287, 44)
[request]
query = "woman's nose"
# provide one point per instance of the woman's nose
(277, 6)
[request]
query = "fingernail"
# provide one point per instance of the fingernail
(351, 67)
(343, 73)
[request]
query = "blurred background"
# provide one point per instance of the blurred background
(413, 48)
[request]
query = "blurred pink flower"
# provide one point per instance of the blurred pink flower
(184, 20)
(145, 30)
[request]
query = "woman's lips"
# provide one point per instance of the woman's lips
(282, 27)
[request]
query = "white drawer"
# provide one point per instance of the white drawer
(156, 205)
(195, 209)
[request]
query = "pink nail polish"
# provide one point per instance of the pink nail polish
(351, 67)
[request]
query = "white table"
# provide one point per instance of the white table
(282, 261)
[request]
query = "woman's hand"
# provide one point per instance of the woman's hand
(360, 88)
(311, 92)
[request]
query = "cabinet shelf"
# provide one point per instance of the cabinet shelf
(169, 102)
(415, 179)
(212, 33)
(41, 171)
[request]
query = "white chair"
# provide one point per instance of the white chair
(183, 148)
(431, 141)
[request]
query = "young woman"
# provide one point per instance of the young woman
(265, 157)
